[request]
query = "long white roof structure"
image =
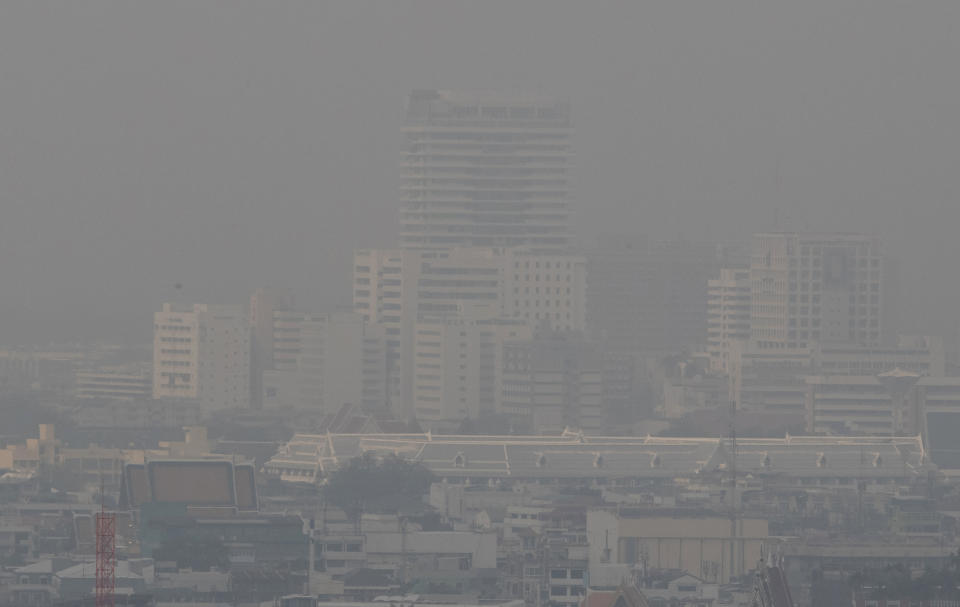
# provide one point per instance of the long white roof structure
(310, 457)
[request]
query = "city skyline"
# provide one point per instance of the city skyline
(479, 304)
(737, 135)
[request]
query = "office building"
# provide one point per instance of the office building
(548, 291)
(774, 380)
(807, 288)
(485, 169)
(891, 403)
(202, 353)
(131, 383)
(728, 315)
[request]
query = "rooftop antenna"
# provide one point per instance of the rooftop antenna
(733, 486)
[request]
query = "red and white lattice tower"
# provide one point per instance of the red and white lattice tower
(106, 556)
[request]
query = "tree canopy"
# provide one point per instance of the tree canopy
(384, 485)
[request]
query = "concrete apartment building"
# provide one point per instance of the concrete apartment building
(202, 353)
(774, 380)
(728, 315)
(807, 288)
(131, 383)
(892, 403)
(485, 169)
(547, 291)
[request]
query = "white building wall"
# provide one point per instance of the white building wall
(728, 315)
(202, 353)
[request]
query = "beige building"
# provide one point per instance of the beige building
(547, 291)
(115, 383)
(458, 366)
(773, 380)
(702, 544)
(94, 464)
(263, 304)
(202, 353)
(892, 403)
(400, 288)
(485, 169)
(728, 315)
(807, 288)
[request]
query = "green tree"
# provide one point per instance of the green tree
(371, 484)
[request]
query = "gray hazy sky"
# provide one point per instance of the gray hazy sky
(231, 144)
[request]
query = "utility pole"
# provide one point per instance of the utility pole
(733, 486)
(310, 557)
(106, 529)
(403, 549)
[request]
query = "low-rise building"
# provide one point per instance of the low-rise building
(702, 543)
(130, 383)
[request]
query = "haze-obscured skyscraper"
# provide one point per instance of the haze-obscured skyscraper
(807, 288)
(485, 169)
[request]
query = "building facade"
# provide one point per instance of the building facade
(807, 288)
(202, 353)
(458, 367)
(325, 361)
(399, 289)
(485, 169)
(728, 315)
(115, 383)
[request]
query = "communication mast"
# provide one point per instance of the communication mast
(106, 530)
(733, 487)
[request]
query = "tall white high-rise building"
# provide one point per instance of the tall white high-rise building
(485, 169)
(728, 315)
(807, 288)
(202, 353)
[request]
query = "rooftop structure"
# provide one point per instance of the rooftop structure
(576, 457)
(217, 483)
